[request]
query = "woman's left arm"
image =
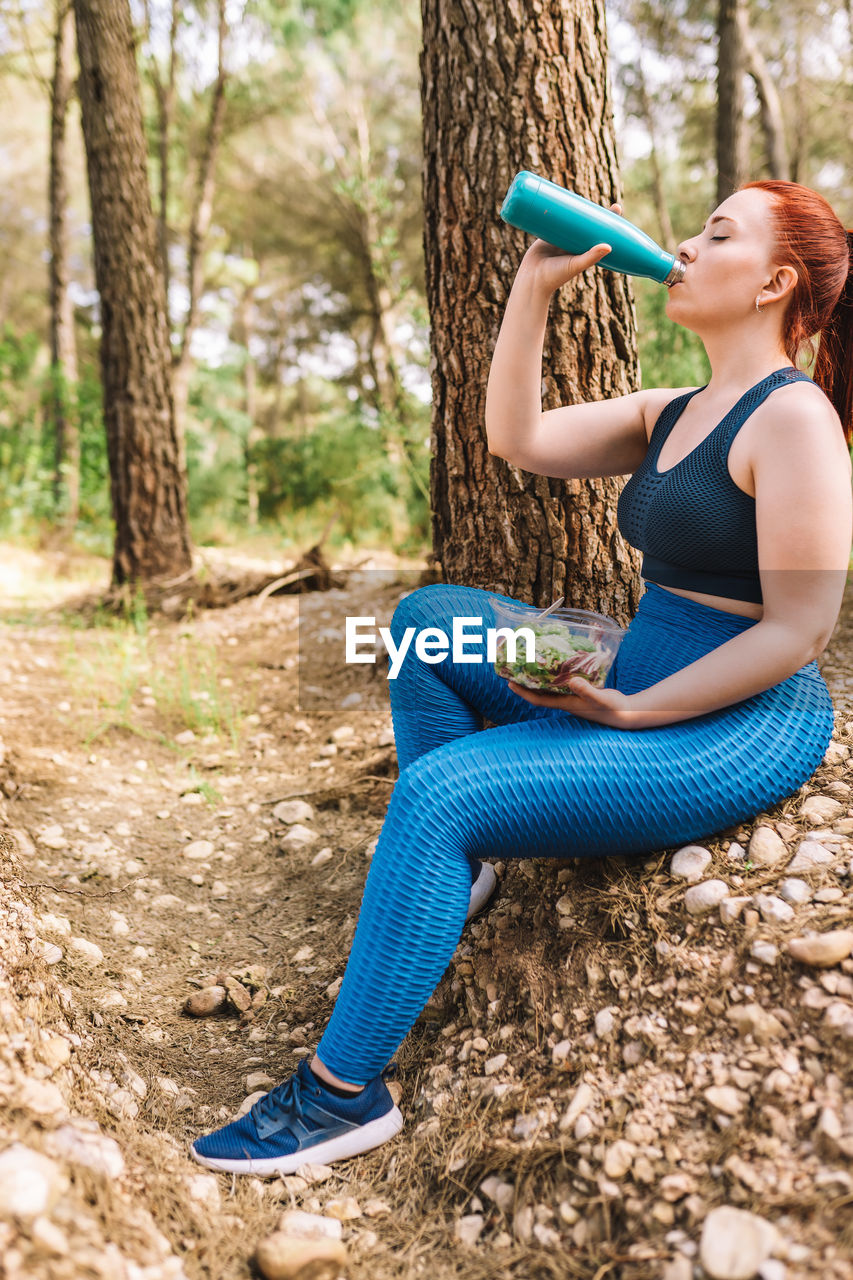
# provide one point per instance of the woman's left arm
(804, 515)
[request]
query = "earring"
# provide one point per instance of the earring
(757, 307)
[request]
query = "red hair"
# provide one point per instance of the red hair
(811, 238)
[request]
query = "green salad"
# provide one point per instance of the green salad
(560, 655)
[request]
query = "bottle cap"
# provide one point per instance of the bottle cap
(677, 273)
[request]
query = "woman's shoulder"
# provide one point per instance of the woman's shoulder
(655, 400)
(801, 420)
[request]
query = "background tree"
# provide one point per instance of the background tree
(731, 135)
(147, 482)
(61, 402)
(519, 90)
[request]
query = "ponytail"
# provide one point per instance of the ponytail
(833, 371)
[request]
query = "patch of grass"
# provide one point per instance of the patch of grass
(124, 661)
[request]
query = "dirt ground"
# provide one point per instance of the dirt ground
(598, 1071)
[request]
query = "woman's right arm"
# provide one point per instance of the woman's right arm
(600, 438)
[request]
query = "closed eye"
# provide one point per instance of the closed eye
(719, 237)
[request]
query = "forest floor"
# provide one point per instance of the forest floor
(598, 1073)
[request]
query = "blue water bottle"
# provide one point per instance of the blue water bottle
(574, 224)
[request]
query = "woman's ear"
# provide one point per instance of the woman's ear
(781, 285)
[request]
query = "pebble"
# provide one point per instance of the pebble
(690, 862)
(795, 891)
(752, 1019)
(810, 854)
(823, 950)
(315, 1174)
(293, 811)
(40, 1097)
(701, 898)
(469, 1228)
(561, 1051)
(764, 952)
(604, 1023)
(185, 737)
(730, 909)
(298, 837)
(818, 809)
(309, 1226)
(724, 1098)
(30, 1183)
(773, 909)
(201, 1004)
(344, 1209)
(284, 1257)
(88, 1147)
(204, 1189)
(259, 1080)
(619, 1157)
(502, 1193)
(321, 858)
(85, 950)
(247, 1103)
(766, 847)
(495, 1064)
(376, 1208)
(735, 1243)
(199, 849)
(581, 1099)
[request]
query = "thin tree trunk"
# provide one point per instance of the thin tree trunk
(200, 220)
(770, 103)
(165, 92)
(245, 326)
(505, 88)
(63, 347)
(661, 207)
(731, 133)
(147, 482)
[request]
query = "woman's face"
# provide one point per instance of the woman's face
(728, 264)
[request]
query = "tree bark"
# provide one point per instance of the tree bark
(770, 103)
(147, 482)
(508, 87)
(731, 131)
(63, 347)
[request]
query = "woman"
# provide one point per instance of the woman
(715, 709)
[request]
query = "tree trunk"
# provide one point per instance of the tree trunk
(772, 116)
(661, 207)
(731, 132)
(63, 347)
(202, 213)
(504, 88)
(244, 330)
(148, 484)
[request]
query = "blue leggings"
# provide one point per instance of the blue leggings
(544, 783)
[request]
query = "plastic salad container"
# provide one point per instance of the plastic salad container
(568, 643)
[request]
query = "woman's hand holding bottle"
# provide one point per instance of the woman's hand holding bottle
(553, 267)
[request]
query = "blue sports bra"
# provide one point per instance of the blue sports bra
(695, 527)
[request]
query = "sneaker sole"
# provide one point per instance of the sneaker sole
(355, 1143)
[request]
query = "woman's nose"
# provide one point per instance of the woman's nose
(686, 251)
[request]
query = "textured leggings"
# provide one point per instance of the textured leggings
(543, 783)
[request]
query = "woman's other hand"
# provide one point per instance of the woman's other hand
(604, 706)
(554, 267)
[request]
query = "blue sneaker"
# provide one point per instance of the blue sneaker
(300, 1122)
